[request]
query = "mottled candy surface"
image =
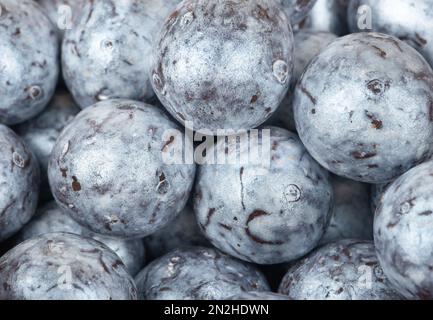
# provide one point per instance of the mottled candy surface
(107, 54)
(28, 62)
(259, 296)
(297, 10)
(181, 232)
(198, 274)
(329, 16)
(261, 212)
(41, 132)
(408, 20)
(364, 108)
(50, 219)
(109, 169)
(64, 266)
(345, 270)
(19, 183)
(223, 64)
(402, 232)
(352, 217)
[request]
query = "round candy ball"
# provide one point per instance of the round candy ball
(264, 212)
(223, 65)
(297, 10)
(402, 232)
(29, 60)
(19, 183)
(50, 219)
(64, 266)
(410, 21)
(198, 274)
(107, 53)
(110, 169)
(345, 270)
(364, 108)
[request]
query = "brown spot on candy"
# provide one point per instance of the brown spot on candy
(420, 40)
(308, 94)
(210, 213)
(430, 111)
(376, 123)
(359, 155)
(381, 53)
(426, 213)
(254, 98)
(170, 141)
(255, 215)
(76, 186)
(64, 172)
(222, 225)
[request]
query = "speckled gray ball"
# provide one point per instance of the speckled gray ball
(259, 296)
(29, 60)
(352, 217)
(181, 232)
(345, 270)
(297, 10)
(364, 108)
(223, 64)
(329, 16)
(19, 183)
(41, 132)
(198, 274)
(63, 266)
(402, 233)
(109, 169)
(265, 213)
(408, 20)
(50, 219)
(107, 54)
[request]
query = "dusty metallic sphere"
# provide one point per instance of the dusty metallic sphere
(297, 10)
(19, 183)
(198, 274)
(364, 108)
(255, 295)
(181, 232)
(345, 270)
(402, 232)
(223, 64)
(408, 20)
(64, 266)
(50, 219)
(110, 171)
(265, 212)
(329, 16)
(40, 133)
(352, 217)
(107, 53)
(29, 60)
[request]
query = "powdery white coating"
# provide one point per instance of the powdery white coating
(364, 108)
(308, 44)
(259, 296)
(28, 61)
(19, 183)
(297, 10)
(108, 172)
(64, 266)
(50, 219)
(329, 16)
(352, 217)
(107, 54)
(345, 270)
(408, 20)
(223, 64)
(265, 217)
(62, 13)
(181, 232)
(402, 232)
(40, 133)
(198, 274)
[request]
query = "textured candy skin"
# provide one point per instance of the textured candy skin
(29, 61)
(402, 232)
(352, 217)
(256, 296)
(19, 183)
(364, 108)
(64, 266)
(308, 44)
(297, 10)
(408, 20)
(328, 16)
(181, 232)
(108, 172)
(265, 217)
(345, 270)
(198, 274)
(223, 64)
(40, 133)
(107, 54)
(50, 219)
